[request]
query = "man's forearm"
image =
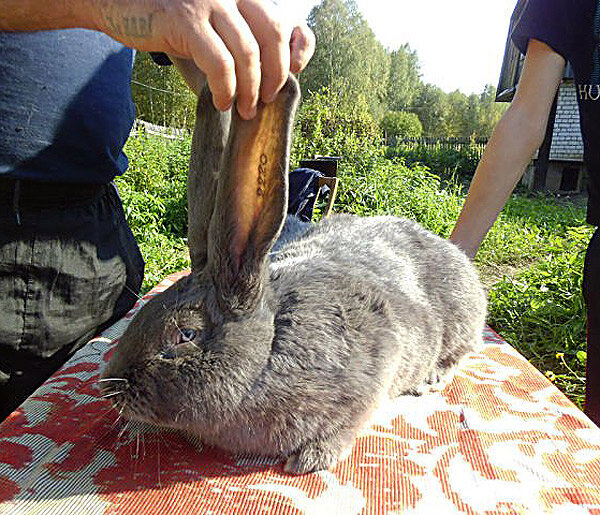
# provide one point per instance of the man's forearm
(30, 15)
(516, 137)
(505, 158)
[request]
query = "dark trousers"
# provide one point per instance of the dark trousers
(66, 271)
(591, 291)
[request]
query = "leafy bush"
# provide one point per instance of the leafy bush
(328, 125)
(161, 95)
(401, 124)
(153, 191)
(393, 188)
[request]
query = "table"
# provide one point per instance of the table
(499, 439)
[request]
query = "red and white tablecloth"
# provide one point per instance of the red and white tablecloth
(499, 439)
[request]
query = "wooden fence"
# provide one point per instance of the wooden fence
(439, 143)
(141, 126)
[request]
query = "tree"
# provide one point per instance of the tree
(349, 60)
(471, 116)
(405, 81)
(490, 111)
(456, 114)
(457, 106)
(161, 95)
(431, 105)
(401, 124)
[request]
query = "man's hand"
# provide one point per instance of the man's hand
(246, 48)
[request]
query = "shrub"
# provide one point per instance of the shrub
(327, 125)
(394, 188)
(153, 191)
(401, 124)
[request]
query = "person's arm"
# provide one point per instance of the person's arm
(24, 15)
(515, 139)
(245, 48)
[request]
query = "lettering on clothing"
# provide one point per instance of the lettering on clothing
(589, 92)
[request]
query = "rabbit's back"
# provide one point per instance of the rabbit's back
(431, 287)
(393, 253)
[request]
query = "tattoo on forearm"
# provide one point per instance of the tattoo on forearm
(131, 26)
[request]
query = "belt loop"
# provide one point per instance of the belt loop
(16, 199)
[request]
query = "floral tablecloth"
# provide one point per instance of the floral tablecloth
(499, 439)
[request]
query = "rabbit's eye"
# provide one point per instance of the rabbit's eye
(186, 335)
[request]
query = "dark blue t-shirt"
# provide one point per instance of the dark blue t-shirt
(572, 29)
(65, 106)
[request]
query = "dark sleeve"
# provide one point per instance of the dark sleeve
(161, 59)
(546, 21)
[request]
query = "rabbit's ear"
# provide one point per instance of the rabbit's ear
(208, 143)
(251, 199)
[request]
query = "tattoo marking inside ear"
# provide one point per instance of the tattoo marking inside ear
(261, 174)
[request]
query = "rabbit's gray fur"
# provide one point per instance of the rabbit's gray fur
(292, 229)
(295, 348)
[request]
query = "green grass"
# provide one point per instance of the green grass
(532, 257)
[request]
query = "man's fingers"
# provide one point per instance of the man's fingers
(272, 35)
(302, 47)
(247, 50)
(212, 57)
(275, 67)
(237, 36)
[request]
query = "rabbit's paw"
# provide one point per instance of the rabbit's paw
(437, 380)
(313, 457)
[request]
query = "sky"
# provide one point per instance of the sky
(460, 43)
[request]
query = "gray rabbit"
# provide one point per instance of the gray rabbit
(287, 352)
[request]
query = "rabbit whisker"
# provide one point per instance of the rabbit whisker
(102, 415)
(137, 295)
(122, 432)
(116, 422)
(179, 414)
(120, 415)
(112, 394)
(111, 379)
(137, 446)
(186, 340)
(102, 436)
(119, 419)
(158, 455)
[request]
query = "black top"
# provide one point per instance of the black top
(572, 29)
(65, 106)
